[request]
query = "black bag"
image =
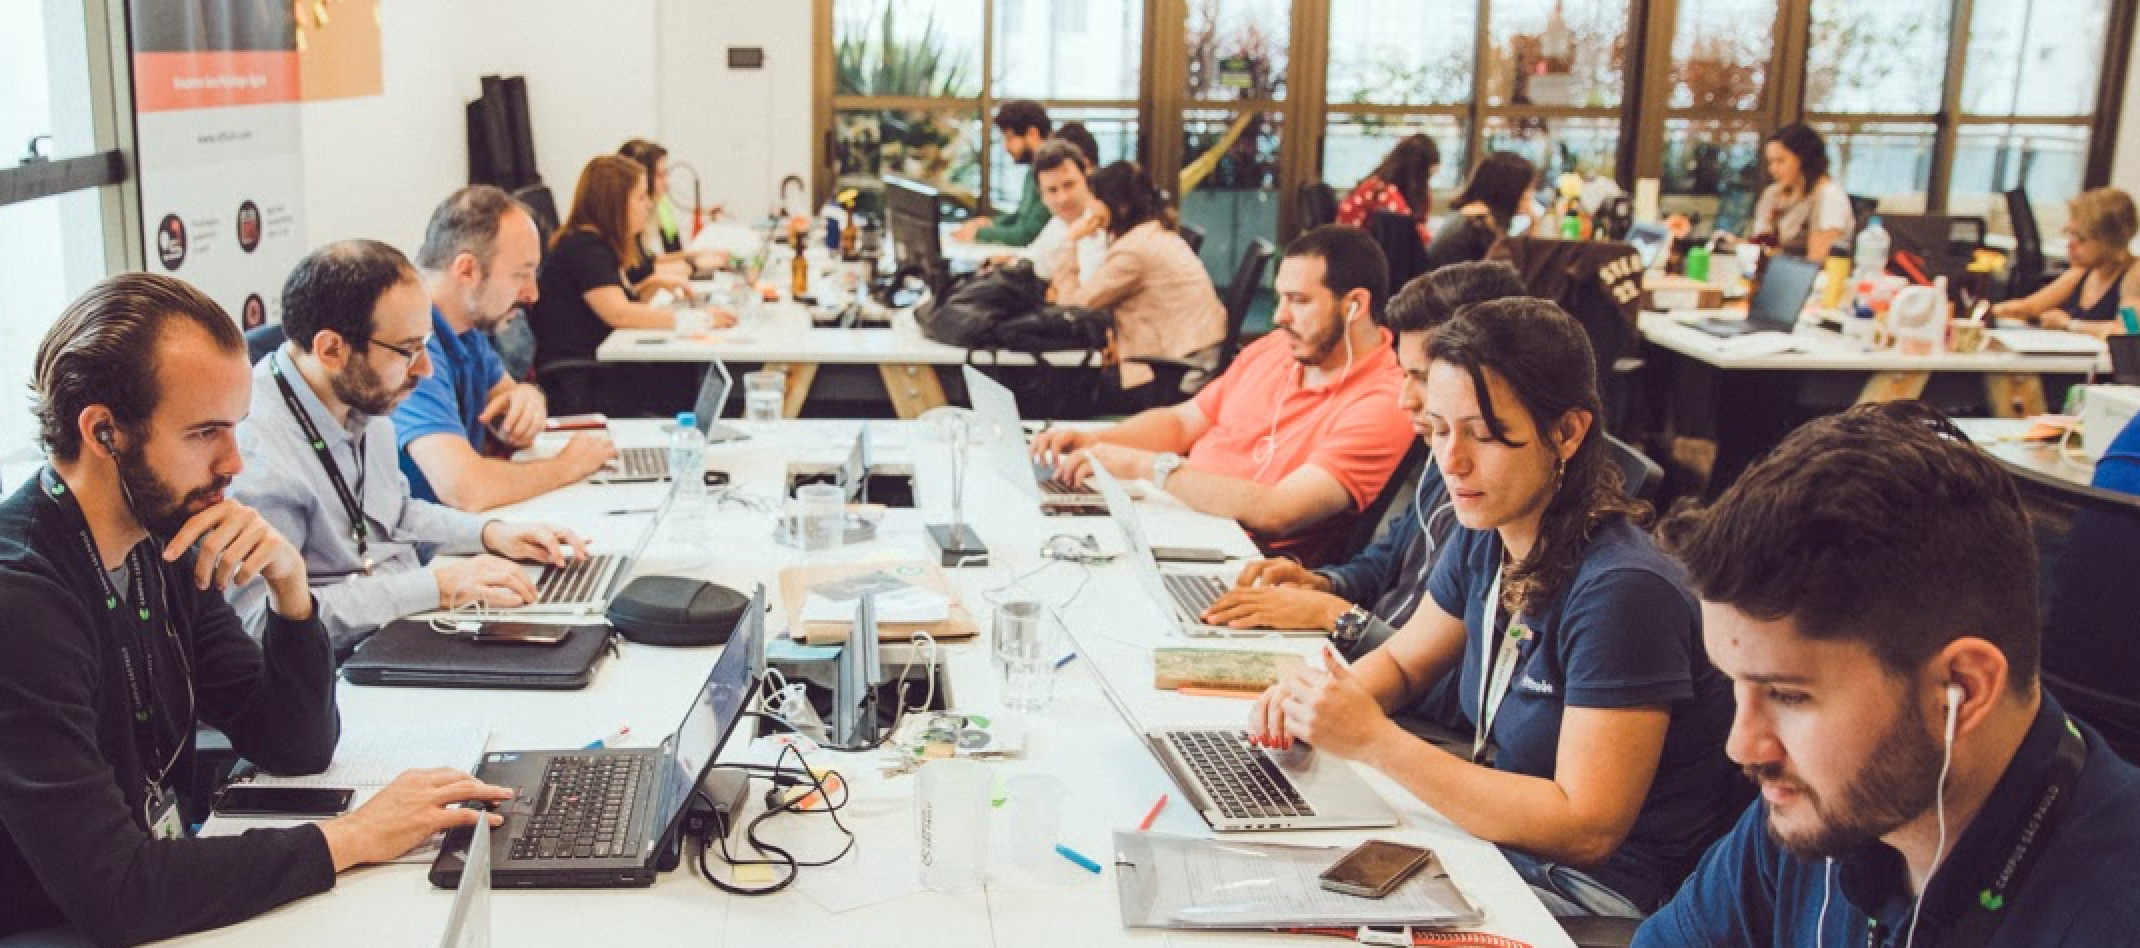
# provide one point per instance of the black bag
(1052, 328)
(1007, 308)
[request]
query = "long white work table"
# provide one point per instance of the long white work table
(873, 896)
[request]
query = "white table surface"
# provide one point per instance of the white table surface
(781, 332)
(2001, 438)
(1081, 738)
(1824, 351)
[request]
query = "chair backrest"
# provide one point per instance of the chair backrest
(1402, 249)
(2027, 267)
(1194, 235)
(1640, 476)
(1318, 205)
(2087, 538)
(1401, 483)
(1241, 293)
(261, 340)
(543, 205)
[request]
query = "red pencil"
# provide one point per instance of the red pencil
(1154, 814)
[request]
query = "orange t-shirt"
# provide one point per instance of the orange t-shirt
(1350, 427)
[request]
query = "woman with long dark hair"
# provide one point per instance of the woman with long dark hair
(1401, 184)
(1162, 299)
(1599, 763)
(1803, 212)
(1497, 190)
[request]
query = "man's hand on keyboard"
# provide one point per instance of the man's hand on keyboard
(1056, 447)
(405, 813)
(533, 542)
(1282, 571)
(490, 580)
(585, 454)
(1276, 607)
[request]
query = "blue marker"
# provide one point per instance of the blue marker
(1065, 660)
(1079, 858)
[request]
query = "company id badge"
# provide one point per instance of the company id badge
(164, 821)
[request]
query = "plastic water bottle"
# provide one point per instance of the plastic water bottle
(1870, 256)
(687, 467)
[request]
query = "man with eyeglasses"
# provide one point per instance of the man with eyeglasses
(321, 463)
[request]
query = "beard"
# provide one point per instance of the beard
(1896, 786)
(1320, 346)
(358, 386)
(160, 508)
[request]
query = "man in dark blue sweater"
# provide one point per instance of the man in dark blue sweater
(1871, 589)
(118, 643)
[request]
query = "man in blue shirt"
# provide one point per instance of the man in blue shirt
(478, 261)
(1871, 589)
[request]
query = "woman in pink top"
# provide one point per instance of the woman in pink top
(1162, 300)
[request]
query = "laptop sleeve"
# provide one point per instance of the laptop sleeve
(411, 653)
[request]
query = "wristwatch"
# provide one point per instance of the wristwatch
(1349, 627)
(1163, 467)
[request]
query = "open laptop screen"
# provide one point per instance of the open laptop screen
(713, 395)
(1785, 287)
(712, 717)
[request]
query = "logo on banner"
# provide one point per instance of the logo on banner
(171, 242)
(248, 226)
(253, 314)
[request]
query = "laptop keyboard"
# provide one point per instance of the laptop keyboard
(643, 463)
(1242, 781)
(1056, 487)
(1193, 593)
(584, 810)
(577, 581)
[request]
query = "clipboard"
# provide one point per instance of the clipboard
(797, 581)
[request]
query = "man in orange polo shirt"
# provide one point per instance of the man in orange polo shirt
(1300, 433)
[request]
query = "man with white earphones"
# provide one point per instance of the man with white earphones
(1870, 587)
(1299, 434)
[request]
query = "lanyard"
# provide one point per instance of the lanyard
(1497, 665)
(133, 625)
(359, 530)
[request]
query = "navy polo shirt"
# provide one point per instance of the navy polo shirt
(1624, 632)
(1751, 891)
(464, 368)
(2120, 467)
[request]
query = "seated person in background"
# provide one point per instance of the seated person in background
(2099, 233)
(1300, 433)
(1154, 285)
(1061, 169)
(478, 263)
(1401, 184)
(1024, 127)
(1362, 601)
(1598, 765)
(113, 562)
(661, 241)
(320, 463)
(584, 296)
(1803, 212)
(1914, 771)
(1077, 134)
(1498, 190)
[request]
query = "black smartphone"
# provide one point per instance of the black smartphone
(1188, 554)
(716, 478)
(243, 799)
(520, 633)
(1375, 869)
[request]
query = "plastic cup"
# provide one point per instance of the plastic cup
(1036, 817)
(822, 516)
(951, 824)
(765, 395)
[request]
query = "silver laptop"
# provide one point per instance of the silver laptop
(643, 465)
(468, 925)
(1004, 432)
(1184, 592)
(584, 586)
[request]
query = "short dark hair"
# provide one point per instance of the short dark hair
(335, 289)
(1130, 197)
(102, 351)
(1801, 140)
(1881, 526)
(1435, 298)
(1351, 261)
(1500, 182)
(1077, 134)
(1056, 153)
(1016, 116)
(467, 222)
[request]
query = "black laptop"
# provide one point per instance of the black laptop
(609, 818)
(1785, 287)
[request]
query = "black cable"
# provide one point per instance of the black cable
(784, 858)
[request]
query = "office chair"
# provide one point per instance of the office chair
(1639, 476)
(1194, 235)
(1395, 491)
(1187, 376)
(263, 340)
(1318, 205)
(1398, 236)
(2027, 272)
(543, 206)
(2087, 539)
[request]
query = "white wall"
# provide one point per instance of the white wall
(597, 74)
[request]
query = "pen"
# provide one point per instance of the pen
(610, 741)
(1079, 858)
(627, 511)
(1065, 660)
(1195, 692)
(1153, 814)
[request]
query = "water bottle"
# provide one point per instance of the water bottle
(1870, 257)
(687, 468)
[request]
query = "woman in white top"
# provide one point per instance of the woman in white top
(1803, 212)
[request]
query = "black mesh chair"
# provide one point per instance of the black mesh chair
(1318, 205)
(1400, 486)
(2026, 273)
(1194, 235)
(543, 205)
(1639, 476)
(262, 340)
(1402, 248)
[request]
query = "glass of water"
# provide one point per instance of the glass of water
(764, 395)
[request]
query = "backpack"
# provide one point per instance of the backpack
(1007, 308)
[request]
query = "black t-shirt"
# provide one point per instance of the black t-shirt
(565, 326)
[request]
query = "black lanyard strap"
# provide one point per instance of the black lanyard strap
(1981, 918)
(359, 529)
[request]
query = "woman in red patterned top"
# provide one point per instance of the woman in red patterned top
(1398, 185)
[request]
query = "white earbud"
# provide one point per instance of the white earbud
(1352, 309)
(1955, 694)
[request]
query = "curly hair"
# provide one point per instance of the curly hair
(1544, 357)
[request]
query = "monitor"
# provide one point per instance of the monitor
(915, 218)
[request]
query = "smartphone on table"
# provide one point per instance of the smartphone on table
(1375, 869)
(244, 799)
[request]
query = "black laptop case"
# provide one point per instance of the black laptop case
(412, 653)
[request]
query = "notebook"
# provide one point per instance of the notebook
(411, 652)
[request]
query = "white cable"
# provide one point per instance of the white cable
(1827, 885)
(1939, 795)
(1269, 447)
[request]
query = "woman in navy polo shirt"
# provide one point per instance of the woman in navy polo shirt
(1600, 767)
